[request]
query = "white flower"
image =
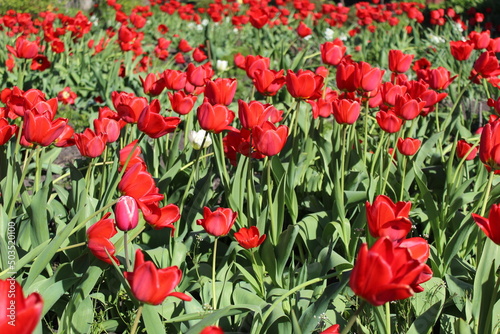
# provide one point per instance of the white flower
(328, 34)
(199, 27)
(436, 39)
(221, 65)
(204, 22)
(343, 37)
(196, 139)
(308, 37)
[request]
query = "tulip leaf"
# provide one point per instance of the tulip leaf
(227, 311)
(38, 217)
(434, 294)
(152, 320)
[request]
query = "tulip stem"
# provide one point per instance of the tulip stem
(12, 203)
(403, 176)
(365, 139)
(133, 330)
(342, 163)
(353, 318)
(72, 246)
(125, 249)
(487, 193)
(388, 318)
(214, 261)
(38, 171)
(273, 227)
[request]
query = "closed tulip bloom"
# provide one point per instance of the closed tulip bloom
(128, 106)
(466, 150)
(98, 236)
(181, 102)
(335, 329)
(346, 77)
(487, 65)
(332, 52)
(480, 40)
(399, 62)
(304, 84)
(491, 225)
(134, 156)
(254, 63)
(90, 144)
(389, 121)
(18, 314)
(388, 219)
(151, 285)
(24, 48)
(199, 55)
(256, 113)
(387, 272)
(197, 75)
(249, 237)
(109, 127)
(346, 111)
(269, 139)
(155, 125)
(152, 85)
(221, 91)
(184, 46)
(126, 213)
(408, 146)
(461, 50)
(136, 182)
(214, 118)
(258, 17)
(439, 78)
(199, 138)
(408, 108)
(174, 79)
(321, 107)
(6, 131)
(212, 330)
(303, 30)
(268, 82)
(489, 145)
(40, 129)
(219, 222)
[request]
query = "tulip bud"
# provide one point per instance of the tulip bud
(196, 139)
(126, 213)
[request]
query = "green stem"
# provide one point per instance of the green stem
(487, 193)
(38, 171)
(273, 227)
(72, 246)
(214, 262)
(258, 272)
(133, 330)
(353, 318)
(342, 162)
(125, 249)
(12, 203)
(403, 176)
(387, 318)
(377, 153)
(365, 122)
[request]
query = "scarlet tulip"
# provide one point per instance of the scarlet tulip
(214, 118)
(387, 272)
(255, 113)
(303, 30)
(461, 50)
(466, 150)
(198, 75)
(109, 127)
(480, 40)
(67, 96)
(90, 144)
(152, 85)
(181, 102)
(184, 46)
(269, 139)
(163, 217)
(399, 62)
(491, 225)
(42, 130)
(254, 63)
(388, 121)
(487, 65)
(304, 84)
(134, 156)
(221, 91)
(388, 219)
(98, 236)
(24, 48)
(137, 182)
(199, 55)
(268, 82)
(258, 17)
(408, 146)
(346, 111)
(332, 52)
(439, 78)
(489, 145)
(6, 131)
(128, 106)
(408, 108)
(212, 330)
(174, 80)
(126, 213)
(321, 107)
(219, 222)
(151, 285)
(249, 237)
(18, 314)
(155, 125)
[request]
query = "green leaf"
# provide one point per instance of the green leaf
(152, 320)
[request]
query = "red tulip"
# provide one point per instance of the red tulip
(255, 113)
(214, 118)
(163, 217)
(137, 182)
(18, 314)
(40, 129)
(408, 108)
(370, 78)
(491, 225)
(128, 106)
(199, 55)
(489, 145)
(304, 84)
(439, 78)
(67, 96)
(269, 139)
(212, 330)
(388, 219)
(335, 329)
(321, 107)
(389, 121)
(461, 50)
(480, 40)
(90, 144)
(219, 222)
(152, 85)
(184, 46)
(332, 52)
(346, 78)
(466, 150)
(198, 75)
(108, 127)
(494, 104)
(487, 65)
(181, 102)
(174, 80)
(24, 48)
(6, 131)
(387, 272)
(408, 146)
(303, 30)
(258, 17)
(249, 237)
(346, 111)
(239, 60)
(399, 62)
(155, 125)
(254, 63)
(268, 82)
(126, 213)
(98, 236)
(151, 285)
(134, 157)
(221, 91)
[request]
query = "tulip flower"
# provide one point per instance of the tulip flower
(332, 52)
(345, 111)
(249, 237)
(268, 82)
(491, 225)
(269, 139)
(67, 96)
(184, 46)
(134, 158)
(98, 236)
(487, 65)
(254, 63)
(197, 75)
(304, 84)
(6, 131)
(408, 146)
(214, 118)
(321, 107)
(399, 62)
(439, 78)
(388, 219)
(199, 55)
(126, 213)
(151, 285)
(461, 50)
(155, 125)
(258, 17)
(90, 144)
(334, 329)
(199, 138)
(137, 182)
(494, 104)
(42, 130)
(181, 102)
(408, 108)
(219, 222)
(480, 40)
(128, 106)
(160, 218)
(387, 272)
(466, 150)
(152, 85)
(255, 113)
(388, 121)
(24, 48)
(174, 80)
(212, 330)
(221, 91)
(489, 145)
(108, 127)
(303, 30)
(18, 314)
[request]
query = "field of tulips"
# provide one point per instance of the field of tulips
(250, 167)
